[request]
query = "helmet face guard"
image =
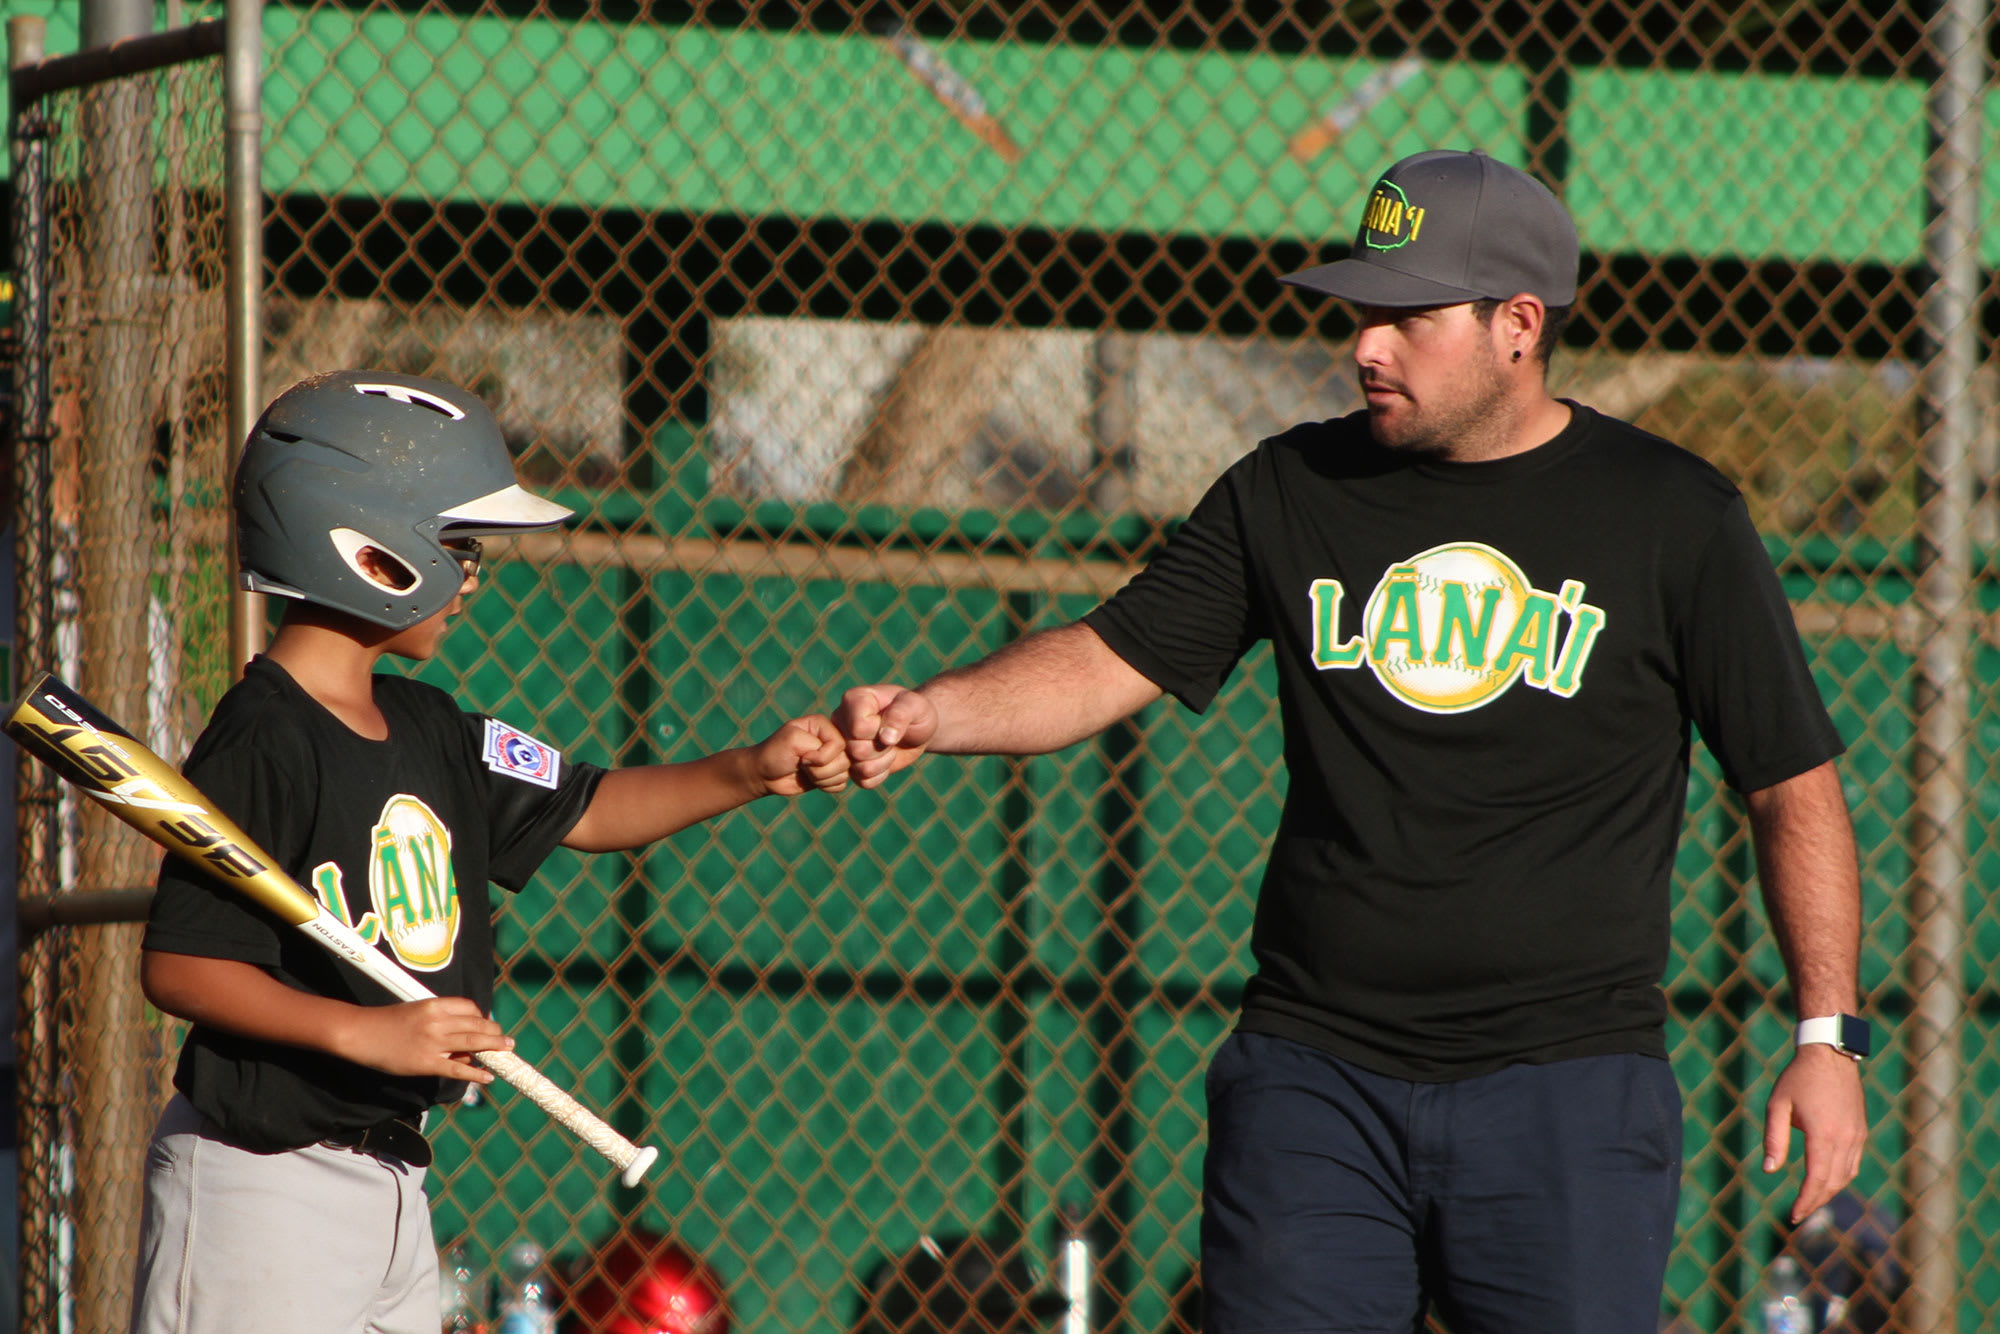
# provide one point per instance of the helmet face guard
(373, 459)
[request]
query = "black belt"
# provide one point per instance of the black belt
(399, 1138)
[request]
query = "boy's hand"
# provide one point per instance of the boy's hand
(806, 754)
(887, 728)
(426, 1037)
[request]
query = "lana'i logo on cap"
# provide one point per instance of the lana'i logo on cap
(1391, 221)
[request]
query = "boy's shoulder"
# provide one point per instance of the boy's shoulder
(269, 722)
(267, 708)
(266, 705)
(406, 692)
(260, 733)
(424, 715)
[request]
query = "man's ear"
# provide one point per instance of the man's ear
(1517, 325)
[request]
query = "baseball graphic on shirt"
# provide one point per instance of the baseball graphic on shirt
(411, 880)
(1438, 623)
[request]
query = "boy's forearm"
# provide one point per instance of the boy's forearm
(426, 1037)
(636, 806)
(242, 999)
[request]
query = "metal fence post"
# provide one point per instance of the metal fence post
(1949, 423)
(114, 556)
(243, 80)
(34, 617)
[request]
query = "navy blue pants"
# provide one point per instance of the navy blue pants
(1536, 1200)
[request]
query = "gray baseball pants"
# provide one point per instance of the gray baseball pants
(313, 1241)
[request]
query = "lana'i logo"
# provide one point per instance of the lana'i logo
(411, 880)
(410, 883)
(1391, 221)
(1453, 627)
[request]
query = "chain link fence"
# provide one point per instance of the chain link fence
(121, 529)
(866, 339)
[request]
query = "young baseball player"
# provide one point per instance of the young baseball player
(284, 1184)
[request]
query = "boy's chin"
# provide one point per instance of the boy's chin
(417, 643)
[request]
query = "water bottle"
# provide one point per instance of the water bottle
(1782, 1307)
(458, 1292)
(526, 1305)
(1076, 1265)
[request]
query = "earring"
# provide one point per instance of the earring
(1517, 354)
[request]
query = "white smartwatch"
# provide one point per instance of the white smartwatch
(1843, 1032)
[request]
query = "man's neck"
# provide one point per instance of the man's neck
(1527, 426)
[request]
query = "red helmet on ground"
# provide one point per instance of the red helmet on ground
(642, 1283)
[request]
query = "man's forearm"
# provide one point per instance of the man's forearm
(1812, 886)
(1038, 694)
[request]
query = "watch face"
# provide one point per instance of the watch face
(1855, 1037)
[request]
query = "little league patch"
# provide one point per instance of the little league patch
(514, 753)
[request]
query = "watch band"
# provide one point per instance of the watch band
(1846, 1034)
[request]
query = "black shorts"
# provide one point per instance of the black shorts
(1538, 1199)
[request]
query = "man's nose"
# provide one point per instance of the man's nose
(1371, 345)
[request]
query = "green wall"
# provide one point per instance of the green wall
(704, 120)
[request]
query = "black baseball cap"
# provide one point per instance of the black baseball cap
(1443, 227)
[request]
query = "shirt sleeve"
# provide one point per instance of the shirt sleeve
(1185, 620)
(1749, 689)
(190, 913)
(534, 796)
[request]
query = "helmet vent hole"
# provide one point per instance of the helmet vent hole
(419, 398)
(285, 436)
(374, 561)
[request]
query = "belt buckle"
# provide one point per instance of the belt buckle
(394, 1138)
(400, 1139)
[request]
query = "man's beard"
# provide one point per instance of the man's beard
(1436, 430)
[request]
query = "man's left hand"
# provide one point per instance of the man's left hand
(1820, 1093)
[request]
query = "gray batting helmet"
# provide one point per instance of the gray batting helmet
(374, 459)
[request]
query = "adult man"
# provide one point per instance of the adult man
(1495, 616)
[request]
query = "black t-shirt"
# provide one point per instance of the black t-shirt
(397, 837)
(1487, 674)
